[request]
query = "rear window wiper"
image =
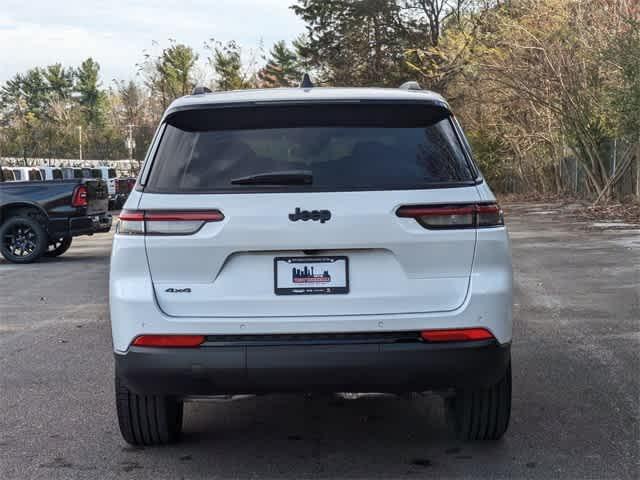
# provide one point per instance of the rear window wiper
(285, 177)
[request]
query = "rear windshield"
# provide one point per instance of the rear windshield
(342, 147)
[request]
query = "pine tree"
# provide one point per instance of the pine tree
(354, 43)
(282, 68)
(226, 61)
(88, 85)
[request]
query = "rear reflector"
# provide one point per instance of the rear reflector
(457, 335)
(80, 196)
(454, 216)
(152, 222)
(172, 341)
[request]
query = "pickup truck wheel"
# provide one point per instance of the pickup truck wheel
(58, 247)
(22, 240)
(148, 419)
(482, 413)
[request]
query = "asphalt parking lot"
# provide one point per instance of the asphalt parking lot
(576, 366)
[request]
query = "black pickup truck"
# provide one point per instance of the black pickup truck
(41, 218)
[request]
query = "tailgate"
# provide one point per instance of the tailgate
(394, 265)
(97, 197)
(309, 195)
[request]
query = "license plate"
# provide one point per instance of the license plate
(311, 275)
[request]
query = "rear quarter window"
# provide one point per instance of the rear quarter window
(345, 147)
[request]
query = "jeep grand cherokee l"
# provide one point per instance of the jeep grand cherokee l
(310, 240)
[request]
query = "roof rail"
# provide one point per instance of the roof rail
(200, 90)
(306, 81)
(411, 85)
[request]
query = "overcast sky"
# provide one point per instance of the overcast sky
(115, 32)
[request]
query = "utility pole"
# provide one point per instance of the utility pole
(131, 144)
(80, 140)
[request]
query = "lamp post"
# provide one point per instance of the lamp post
(80, 141)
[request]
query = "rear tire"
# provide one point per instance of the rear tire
(58, 247)
(148, 419)
(482, 413)
(22, 239)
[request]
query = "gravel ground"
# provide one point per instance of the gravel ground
(576, 365)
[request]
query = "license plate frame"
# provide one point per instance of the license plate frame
(315, 284)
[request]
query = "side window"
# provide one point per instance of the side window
(112, 173)
(465, 143)
(18, 174)
(35, 175)
(57, 174)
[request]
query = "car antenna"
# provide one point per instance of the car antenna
(306, 81)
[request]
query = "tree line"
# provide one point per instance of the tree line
(534, 82)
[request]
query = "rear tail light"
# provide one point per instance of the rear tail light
(454, 216)
(456, 335)
(169, 341)
(489, 215)
(80, 197)
(131, 223)
(165, 223)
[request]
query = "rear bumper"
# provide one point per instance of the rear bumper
(90, 224)
(377, 367)
(81, 225)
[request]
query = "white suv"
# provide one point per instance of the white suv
(310, 240)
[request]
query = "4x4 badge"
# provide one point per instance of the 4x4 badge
(315, 215)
